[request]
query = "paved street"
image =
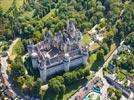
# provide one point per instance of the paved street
(100, 74)
(4, 66)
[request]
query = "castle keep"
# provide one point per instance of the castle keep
(58, 53)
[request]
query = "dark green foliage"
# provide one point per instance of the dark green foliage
(17, 68)
(114, 94)
(100, 55)
(72, 77)
(37, 86)
(57, 86)
(28, 30)
(105, 48)
(130, 39)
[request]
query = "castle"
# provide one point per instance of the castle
(58, 53)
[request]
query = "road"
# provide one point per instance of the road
(100, 74)
(4, 63)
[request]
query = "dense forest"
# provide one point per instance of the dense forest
(35, 16)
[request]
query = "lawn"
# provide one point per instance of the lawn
(86, 39)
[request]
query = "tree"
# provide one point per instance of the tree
(78, 6)
(110, 91)
(8, 34)
(118, 93)
(131, 62)
(100, 55)
(2, 97)
(17, 68)
(20, 81)
(86, 73)
(114, 98)
(62, 90)
(37, 36)
(109, 38)
(105, 48)
(29, 84)
(1, 12)
(60, 78)
(130, 39)
(61, 25)
(28, 30)
(54, 85)
(67, 77)
(37, 86)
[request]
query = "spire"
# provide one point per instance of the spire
(47, 36)
(71, 29)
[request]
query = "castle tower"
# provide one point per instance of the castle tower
(34, 58)
(71, 29)
(66, 62)
(78, 36)
(85, 55)
(48, 39)
(43, 70)
(30, 47)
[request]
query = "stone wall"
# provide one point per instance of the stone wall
(60, 67)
